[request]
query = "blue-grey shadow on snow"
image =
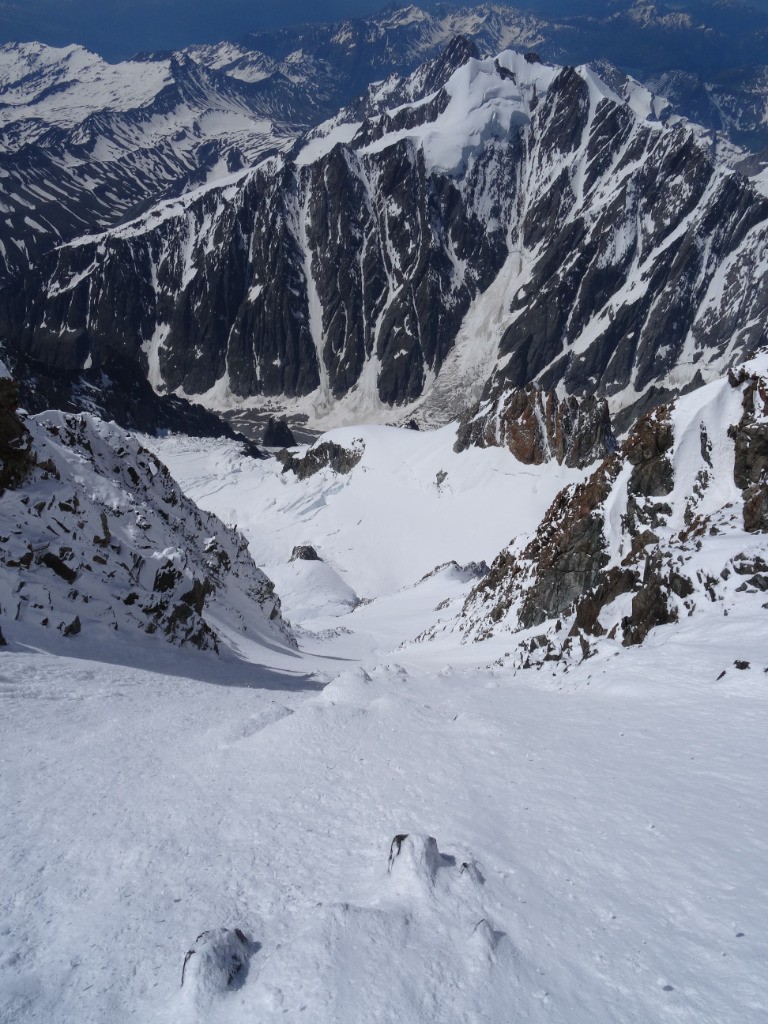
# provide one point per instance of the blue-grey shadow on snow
(152, 654)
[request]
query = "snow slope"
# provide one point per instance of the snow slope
(402, 833)
(410, 504)
(46, 88)
(63, 86)
(614, 832)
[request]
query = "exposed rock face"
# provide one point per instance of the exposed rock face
(277, 434)
(119, 149)
(118, 391)
(629, 549)
(646, 449)
(16, 458)
(751, 464)
(73, 628)
(537, 427)
(166, 143)
(364, 248)
(325, 453)
(561, 562)
(612, 584)
(99, 537)
(305, 553)
(569, 549)
(651, 604)
(566, 560)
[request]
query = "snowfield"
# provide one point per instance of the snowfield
(617, 833)
(410, 505)
(401, 832)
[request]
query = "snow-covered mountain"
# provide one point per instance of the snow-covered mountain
(84, 143)
(96, 537)
(485, 736)
(371, 827)
(480, 214)
(706, 57)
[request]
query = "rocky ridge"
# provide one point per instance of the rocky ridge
(118, 392)
(85, 143)
(620, 259)
(16, 458)
(321, 455)
(536, 426)
(97, 537)
(707, 60)
(671, 525)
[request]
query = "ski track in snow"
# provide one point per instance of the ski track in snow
(603, 835)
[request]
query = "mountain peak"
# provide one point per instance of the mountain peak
(527, 190)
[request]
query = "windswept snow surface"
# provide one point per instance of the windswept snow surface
(601, 837)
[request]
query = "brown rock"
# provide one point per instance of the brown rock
(614, 583)
(646, 449)
(650, 606)
(750, 469)
(568, 550)
(537, 427)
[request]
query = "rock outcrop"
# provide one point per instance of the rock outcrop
(564, 559)
(277, 434)
(750, 437)
(632, 547)
(97, 536)
(304, 553)
(537, 427)
(319, 456)
(118, 391)
(16, 458)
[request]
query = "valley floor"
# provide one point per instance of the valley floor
(603, 832)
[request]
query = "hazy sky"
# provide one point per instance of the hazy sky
(118, 28)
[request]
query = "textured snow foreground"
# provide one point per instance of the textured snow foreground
(373, 830)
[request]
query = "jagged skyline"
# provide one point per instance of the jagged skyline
(124, 27)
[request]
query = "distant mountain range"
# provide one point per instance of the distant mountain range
(180, 213)
(85, 144)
